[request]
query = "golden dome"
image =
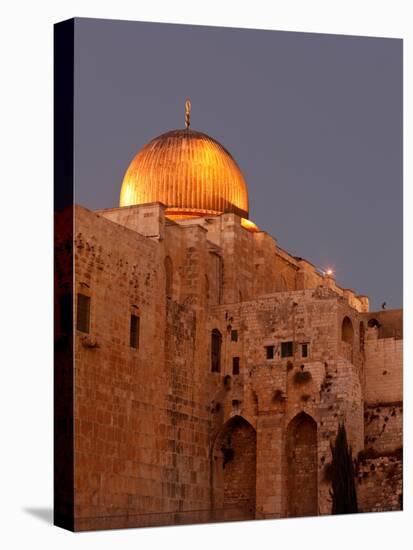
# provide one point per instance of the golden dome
(188, 171)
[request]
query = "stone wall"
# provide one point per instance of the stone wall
(380, 484)
(383, 427)
(141, 416)
(302, 467)
(389, 322)
(255, 265)
(272, 392)
(234, 482)
(151, 422)
(383, 369)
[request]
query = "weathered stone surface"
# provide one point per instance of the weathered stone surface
(154, 425)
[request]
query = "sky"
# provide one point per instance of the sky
(314, 121)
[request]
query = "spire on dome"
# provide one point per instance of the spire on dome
(187, 113)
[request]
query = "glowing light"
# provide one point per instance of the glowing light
(329, 272)
(189, 172)
(249, 225)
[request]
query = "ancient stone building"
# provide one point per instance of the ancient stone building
(212, 367)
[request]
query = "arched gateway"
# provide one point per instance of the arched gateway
(234, 471)
(302, 466)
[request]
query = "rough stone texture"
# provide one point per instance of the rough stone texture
(380, 484)
(151, 422)
(234, 474)
(302, 467)
(383, 369)
(383, 426)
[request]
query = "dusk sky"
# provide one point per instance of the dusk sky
(314, 122)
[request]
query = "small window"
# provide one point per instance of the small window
(304, 350)
(234, 335)
(286, 349)
(235, 365)
(134, 331)
(269, 350)
(83, 313)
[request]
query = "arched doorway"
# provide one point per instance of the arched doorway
(347, 332)
(234, 470)
(347, 338)
(302, 486)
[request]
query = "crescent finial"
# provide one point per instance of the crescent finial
(187, 113)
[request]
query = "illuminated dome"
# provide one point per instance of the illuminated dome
(188, 171)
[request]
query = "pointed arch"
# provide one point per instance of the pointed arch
(234, 470)
(347, 338)
(347, 331)
(302, 475)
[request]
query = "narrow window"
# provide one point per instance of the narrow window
(304, 350)
(235, 365)
(216, 340)
(286, 349)
(134, 331)
(234, 335)
(83, 313)
(269, 350)
(168, 277)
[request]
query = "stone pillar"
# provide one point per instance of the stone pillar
(270, 488)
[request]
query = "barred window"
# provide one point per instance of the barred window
(269, 352)
(235, 365)
(286, 349)
(83, 313)
(304, 350)
(234, 335)
(134, 331)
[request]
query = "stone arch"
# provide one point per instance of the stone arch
(301, 457)
(347, 331)
(347, 336)
(216, 344)
(168, 277)
(234, 470)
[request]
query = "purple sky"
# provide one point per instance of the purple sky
(314, 122)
